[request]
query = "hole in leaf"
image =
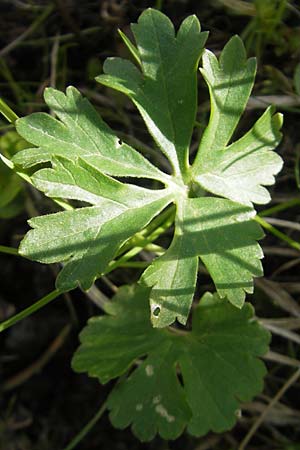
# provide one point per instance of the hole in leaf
(120, 142)
(156, 311)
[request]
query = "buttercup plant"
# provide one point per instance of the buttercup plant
(196, 378)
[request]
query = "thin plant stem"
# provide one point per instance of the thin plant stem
(30, 310)
(9, 250)
(139, 238)
(7, 112)
(281, 207)
(135, 250)
(121, 262)
(135, 264)
(267, 226)
(87, 428)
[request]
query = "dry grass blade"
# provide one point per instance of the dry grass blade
(279, 296)
(282, 359)
(37, 366)
(290, 335)
(274, 400)
(279, 415)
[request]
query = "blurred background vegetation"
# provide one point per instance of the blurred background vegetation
(64, 42)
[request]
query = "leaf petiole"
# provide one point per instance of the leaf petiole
(9, 250)
(167, 216)
(86, 429)
(30, 310)
(143, 243)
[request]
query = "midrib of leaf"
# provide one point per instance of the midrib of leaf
(254, 192)
(230, 161)
(78, 126)
(211, 349)
(87, 249)
(207, 146)
(176, 166)
(87, 228)
(205, 388)
(158, 175)
(217, 261)
(174, 272)
(44, 132)
(75, 189)
(90, 139)
(91, 175)
(205, 150)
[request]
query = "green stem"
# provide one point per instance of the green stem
(167, 215)
(135, 250)
(30, 310)
(135, 264)
(139, 238)
(267, 226)
(27, 178)
(86, 429)
(9, 250)
(7, 112)
(280, 207)
(121, 262)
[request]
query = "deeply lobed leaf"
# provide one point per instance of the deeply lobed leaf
(240, 170)
(80, 133)
(165, 90)
(87, 238)
(86, 154)
(224, 235)
(217, 361)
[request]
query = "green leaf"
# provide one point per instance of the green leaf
(87, 238)
(230, 81)
(85, 155)
(217, 363)
(133, 50)
(224, 235)
(165, 92)
(220, 232)
(79, 180)
(173, 279)
(238, 171)
(80, 133)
